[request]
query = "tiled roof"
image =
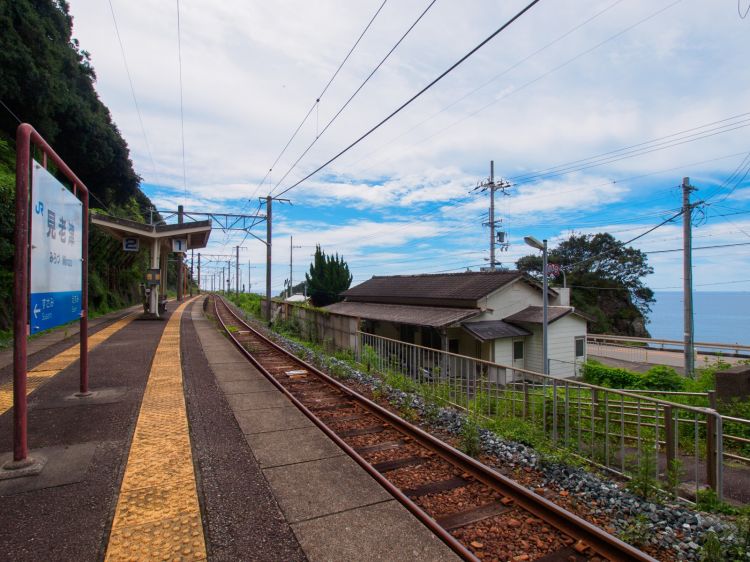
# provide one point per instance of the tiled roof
(467, 286)
(493, 330)
(535, 314)
(433, 316)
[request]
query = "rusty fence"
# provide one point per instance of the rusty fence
(681, 446)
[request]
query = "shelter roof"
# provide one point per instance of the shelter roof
(432, 316)
(196, 232)
(487, 330)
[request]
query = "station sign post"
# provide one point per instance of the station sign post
(53, 288)
(56, 252)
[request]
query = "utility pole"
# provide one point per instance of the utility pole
(491, 186)
(199, 273)
(229, 276)
(237, 270)
(180, 295)
(269, 201)
(687, 276)
(492, 215)
(291, 259)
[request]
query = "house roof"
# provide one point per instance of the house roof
(433, 316)
(428, 288)
(535, 314)
(493, 330)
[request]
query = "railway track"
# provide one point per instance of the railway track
(477, 512)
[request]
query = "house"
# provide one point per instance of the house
(496, 316)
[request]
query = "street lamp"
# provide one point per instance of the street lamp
(534, 243)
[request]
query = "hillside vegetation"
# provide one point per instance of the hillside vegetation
(47, 80)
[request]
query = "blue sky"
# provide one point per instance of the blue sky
(571, 84)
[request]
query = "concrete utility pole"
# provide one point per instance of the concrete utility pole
(492, 214)
(249, 282)
(291, 259)
(237, 270)
(490, 185)
(687, 276)
(180, 295)
(269, 201)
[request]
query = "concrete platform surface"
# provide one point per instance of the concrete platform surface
(335, 509)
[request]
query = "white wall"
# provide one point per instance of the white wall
(561, 347)
(510, 300)
(504, 351)
(562, 335)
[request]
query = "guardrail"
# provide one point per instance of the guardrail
(617, 430)
(734, 349)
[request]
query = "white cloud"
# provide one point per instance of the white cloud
(252, 70)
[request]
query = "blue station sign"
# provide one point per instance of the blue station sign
(56, 252)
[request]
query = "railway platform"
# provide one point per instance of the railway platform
(187, 452)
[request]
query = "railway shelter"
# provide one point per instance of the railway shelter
(160, 239)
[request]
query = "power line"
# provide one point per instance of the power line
(621, 244)
(362, 85)
(182, 115)
(738, 121)
(9, 110)
(415, 96)
(698, 248)
(533, 81)
(132, 88)
(317, 100)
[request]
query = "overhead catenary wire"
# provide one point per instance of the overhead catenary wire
(348, 101)
(417, 95)
(529, 83)
(132, 87)
(316, 103)
(182, 113)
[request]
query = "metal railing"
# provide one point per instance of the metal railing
(637, 349)
(614, 429)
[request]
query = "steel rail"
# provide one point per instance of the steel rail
(565, 522)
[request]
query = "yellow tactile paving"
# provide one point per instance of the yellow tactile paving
(157, 515)
(43, 372)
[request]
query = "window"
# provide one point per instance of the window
(580, 347)
(453, 346)
(517, 350)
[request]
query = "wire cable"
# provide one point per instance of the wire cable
(317, 100)
(132, 88)
(417, 95)
(182, 114)
(362, 85)
(9, 110)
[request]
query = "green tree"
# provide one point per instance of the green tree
(606, 279)
(47, 80)
(328, 277)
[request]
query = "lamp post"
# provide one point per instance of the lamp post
(534, 243)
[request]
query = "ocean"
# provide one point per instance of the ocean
(719, 317)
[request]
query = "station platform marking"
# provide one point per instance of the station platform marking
(51, 367)
(158, 516)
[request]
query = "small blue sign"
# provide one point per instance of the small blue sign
(48, 310)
